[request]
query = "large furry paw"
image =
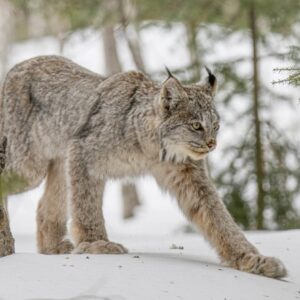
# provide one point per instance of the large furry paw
(262, 265)
(64, 247)
(100, 247)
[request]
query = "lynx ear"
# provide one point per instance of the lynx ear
(171, 93)
(211, 81)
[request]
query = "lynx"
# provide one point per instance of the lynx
(77, 129)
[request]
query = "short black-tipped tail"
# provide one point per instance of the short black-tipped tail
(2, 154)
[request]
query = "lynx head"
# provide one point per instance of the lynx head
(189, 121)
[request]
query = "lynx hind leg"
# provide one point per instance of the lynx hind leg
(130, 199)
(52, 213)
(7, 244)
(88, 228)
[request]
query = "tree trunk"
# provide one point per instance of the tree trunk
(259, 157)
(112, 62)
(131, 33)
(6, 33)
(133, 42)
(191, 29)
(112, 66)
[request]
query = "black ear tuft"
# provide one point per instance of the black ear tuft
(169, 72)
(211, 77)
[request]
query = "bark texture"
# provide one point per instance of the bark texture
(259, 163)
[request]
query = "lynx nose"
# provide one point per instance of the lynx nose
(211, 144)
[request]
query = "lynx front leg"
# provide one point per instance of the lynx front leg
(52, 213)
(199, 201)
(86, 191)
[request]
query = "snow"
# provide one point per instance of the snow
(151, 270)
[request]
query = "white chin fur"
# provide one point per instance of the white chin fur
(177, 154)
(197, 156)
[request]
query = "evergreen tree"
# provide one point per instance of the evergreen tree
(254, 159)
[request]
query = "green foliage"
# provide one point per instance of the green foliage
(80, 14)
(241, 180)
(293, 72)
(281, 183)
(179, 10)
(11, 184)
(66, 15)
(236, 181)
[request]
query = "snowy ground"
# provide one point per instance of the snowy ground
(151, 270)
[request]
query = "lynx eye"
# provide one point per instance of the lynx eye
(197, 126)
(217, 127)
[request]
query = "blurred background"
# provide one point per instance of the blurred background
(253, 47)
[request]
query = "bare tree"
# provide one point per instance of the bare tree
(112, 62)
(127, 15)
(112, 66)
(259, 163)
(6, 33)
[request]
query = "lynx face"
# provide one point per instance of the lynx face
(189, 120)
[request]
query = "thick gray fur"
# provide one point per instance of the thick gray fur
(77, 129)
